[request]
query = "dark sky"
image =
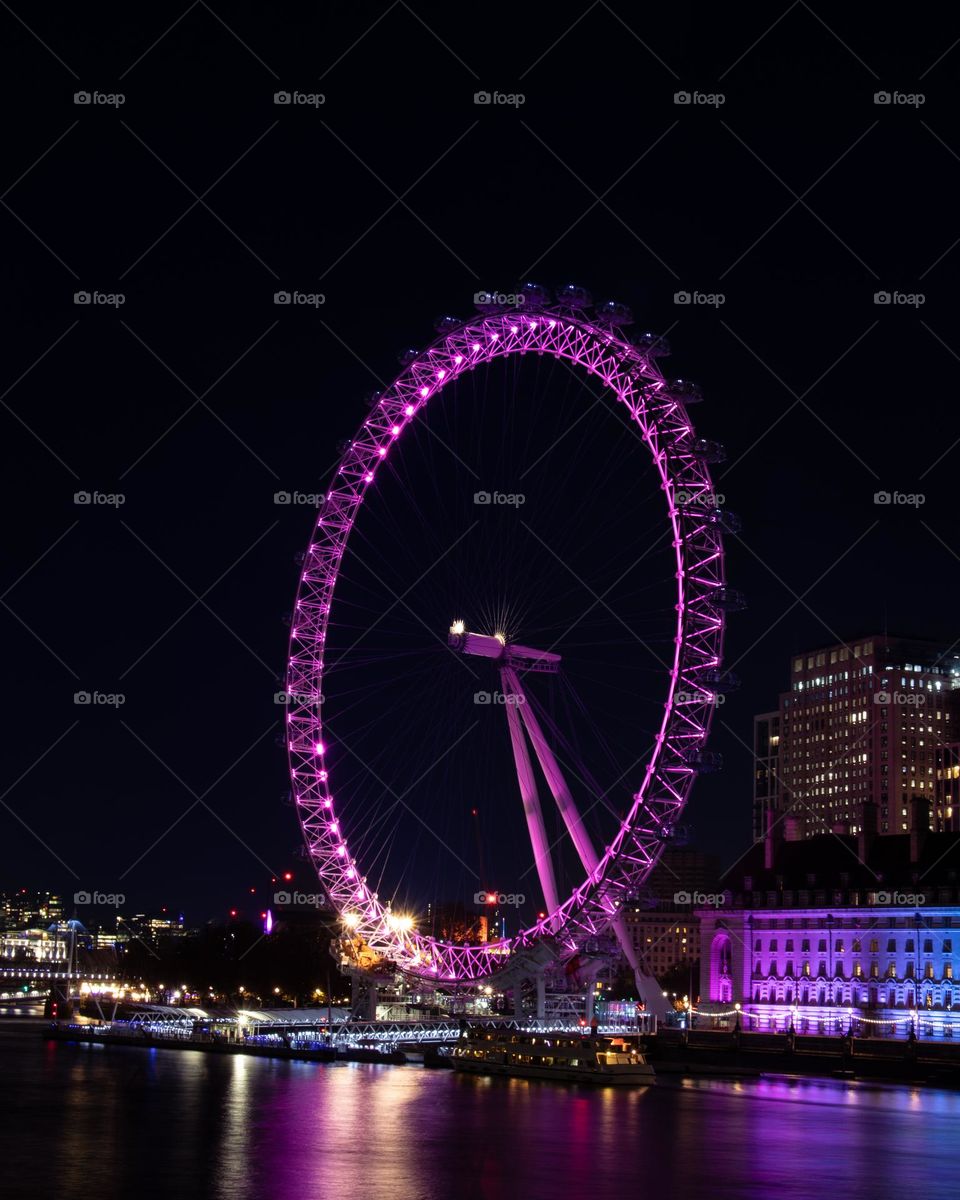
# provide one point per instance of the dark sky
(796, 199)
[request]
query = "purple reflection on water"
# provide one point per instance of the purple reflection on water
(111, 1122)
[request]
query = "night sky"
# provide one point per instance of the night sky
(783, 189)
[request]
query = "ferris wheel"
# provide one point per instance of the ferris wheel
(604, 870)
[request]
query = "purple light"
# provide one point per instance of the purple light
(698, 554)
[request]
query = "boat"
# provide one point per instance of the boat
(562, 1056)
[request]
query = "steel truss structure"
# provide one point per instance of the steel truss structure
(658, 409)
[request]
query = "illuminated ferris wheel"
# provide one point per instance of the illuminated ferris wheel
(586, 874)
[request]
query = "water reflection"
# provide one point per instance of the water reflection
(121, 1122)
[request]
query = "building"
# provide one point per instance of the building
(861, 724)
(663, 923)
(837, 930)
(767, 803)
(22, 909)
(947, 791)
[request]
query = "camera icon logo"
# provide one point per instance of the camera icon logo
(682, 298)
(81, 98)
(281, 897)
(482, 697)
(82, 497)
(482, 98)
(883, 897)
(281, 297)
(681, 897)
(881, 698)
(282, 497)
(482, 498)
(82, 698)
(881, 98)
(882, 498)
(82, 297)
(682, 97)
(281, 97)
(882, 298)
(81, 897)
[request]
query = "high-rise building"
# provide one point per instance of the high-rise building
(766, 773)
(862, 724)
(947, 792)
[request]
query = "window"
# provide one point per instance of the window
(892, 946)
(908, 946)
(789, 946)
(874, 945)
(928, 945)
(856, 946)
(822, 946)
(805, 946)
(947, 946)
(773, 945)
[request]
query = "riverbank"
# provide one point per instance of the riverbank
(672, 1053)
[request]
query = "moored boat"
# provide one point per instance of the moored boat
(561, 1056)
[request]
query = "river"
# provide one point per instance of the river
(98, 1121)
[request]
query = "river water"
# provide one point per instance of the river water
(97, 1121)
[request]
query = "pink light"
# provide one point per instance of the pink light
(409, 410)
(458, 359)
(321, 775)
(494, 337)
(424, 391)
(368, 478)
(475, 346)
(382, 451)
(327, 803)
(341, 850)
(441, 374)
(513, 328)
(351, 873)
(394, 429)
(319, 748)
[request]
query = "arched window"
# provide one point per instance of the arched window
(721, 976)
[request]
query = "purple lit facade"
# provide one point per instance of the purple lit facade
(658, 408)
(814, 938)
